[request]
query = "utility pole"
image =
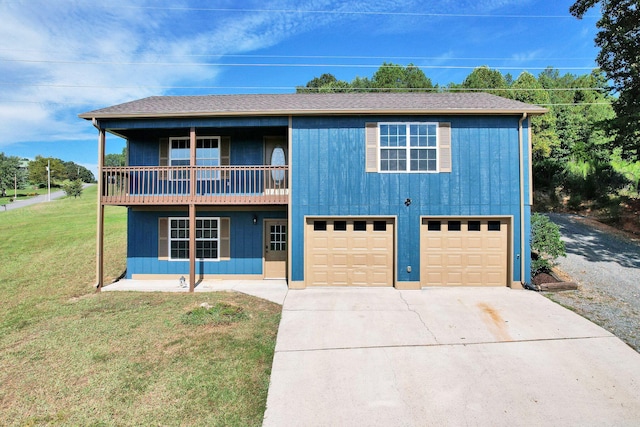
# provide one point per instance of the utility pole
(15, 186)
(49, 180)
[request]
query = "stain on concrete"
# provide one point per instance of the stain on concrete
(494, 322)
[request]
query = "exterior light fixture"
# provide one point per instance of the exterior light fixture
(255, 219)
(407, 202)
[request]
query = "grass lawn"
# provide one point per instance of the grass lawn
(70, 356)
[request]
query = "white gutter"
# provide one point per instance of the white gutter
(522, 222)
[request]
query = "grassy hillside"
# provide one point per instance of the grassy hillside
(70, 356)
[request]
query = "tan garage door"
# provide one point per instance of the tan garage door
(349, 252)
(464, 252)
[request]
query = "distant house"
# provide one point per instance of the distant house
(369, 189)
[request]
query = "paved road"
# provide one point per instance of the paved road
(607, 268)
(21, 203)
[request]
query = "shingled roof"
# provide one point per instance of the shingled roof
(315, 104)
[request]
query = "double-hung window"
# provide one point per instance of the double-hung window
(408, 147)
(207, 238)
(207, 154)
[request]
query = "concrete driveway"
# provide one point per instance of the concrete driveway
(462, 356)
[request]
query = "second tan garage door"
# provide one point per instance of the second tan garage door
(349, 252)
(464, 252)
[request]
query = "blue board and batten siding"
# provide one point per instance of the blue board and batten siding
(329, 179)
(245, 151)
(245, 244)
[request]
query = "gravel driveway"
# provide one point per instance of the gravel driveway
(606, 265)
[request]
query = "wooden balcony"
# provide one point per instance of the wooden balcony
(204, 185)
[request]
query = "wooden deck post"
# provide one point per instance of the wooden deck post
(100, 216)
(192, 211)
(192, 247)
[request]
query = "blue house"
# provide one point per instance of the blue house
(353, 189)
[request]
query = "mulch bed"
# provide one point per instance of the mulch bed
(541, 278)
(547, 282)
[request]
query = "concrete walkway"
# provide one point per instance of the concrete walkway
(463, 356)
(271, 290)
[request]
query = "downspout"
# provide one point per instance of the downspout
(522, 195)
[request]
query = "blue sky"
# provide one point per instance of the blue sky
(59, 58)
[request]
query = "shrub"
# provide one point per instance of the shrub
(546, 243)
(73, 188)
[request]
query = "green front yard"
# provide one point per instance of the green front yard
(70, 356)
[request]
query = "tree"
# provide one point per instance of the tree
(325, 83)
(73, 188)
(488, 80)
(74, 171)
(389, 77)
(393, 76)
(10, 170)
(38, 170)
(619, 58)
(116, 159)
(527, 89)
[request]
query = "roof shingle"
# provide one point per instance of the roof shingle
(315, 104)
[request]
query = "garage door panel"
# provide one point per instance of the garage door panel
(474, 243)
(454, 261)
(494, 261)
(338, 261)
(346, 256)
(464, 252)
(359, 260)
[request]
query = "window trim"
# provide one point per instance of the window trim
(407, 148)
(217, 239)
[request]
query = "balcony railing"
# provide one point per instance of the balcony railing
(175, 185)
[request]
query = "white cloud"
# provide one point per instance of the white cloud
(59, 58)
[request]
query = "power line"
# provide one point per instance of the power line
(277, 65)
(384, 58)
(439, 88)
(348, 12)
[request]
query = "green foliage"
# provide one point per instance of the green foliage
(591, 179)
(389, 77)
(394, 77)
(546, 243)
(629, 169)
(73, 188)
(116, 159)
(74, 171)
(10, 170)
(527, 89)
(487, 80)
(619, 56)
(38, 170)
